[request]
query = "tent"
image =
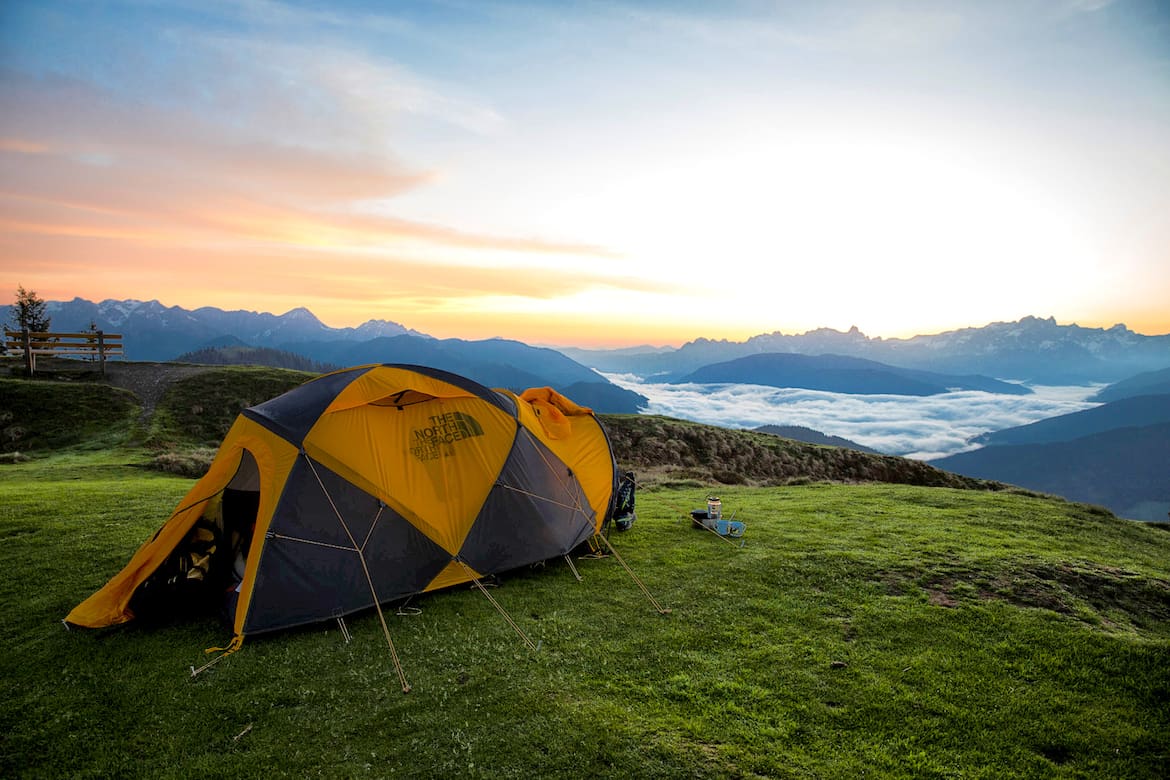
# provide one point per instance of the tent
(366, 486)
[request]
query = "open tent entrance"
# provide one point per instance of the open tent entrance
(203, 573)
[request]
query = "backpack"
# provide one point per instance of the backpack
(623, 511)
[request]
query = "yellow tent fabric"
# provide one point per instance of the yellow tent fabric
(573, 433)
(368, 485)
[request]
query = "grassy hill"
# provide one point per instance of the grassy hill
(666, 449)
(42, 415)
(243, 354)
(884, 630)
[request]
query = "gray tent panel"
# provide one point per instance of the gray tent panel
(537, 510)
(292, 414)
(310, 570)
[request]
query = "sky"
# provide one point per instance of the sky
(594, 173)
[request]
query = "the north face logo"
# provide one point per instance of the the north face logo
(438, 439)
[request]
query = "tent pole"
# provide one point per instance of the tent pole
(661, 610)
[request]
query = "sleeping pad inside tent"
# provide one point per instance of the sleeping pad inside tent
(365, 486)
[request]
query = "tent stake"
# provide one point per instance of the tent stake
(232, 647)
(196, 672)
(661, 610)
(595, 553)
(344, 629)
(501, 610)
(569, 560)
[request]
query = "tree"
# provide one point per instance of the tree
(92, 340)
(28, 313)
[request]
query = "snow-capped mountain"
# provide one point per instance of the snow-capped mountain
(153, 331)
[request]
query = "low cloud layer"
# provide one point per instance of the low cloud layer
(916, 427)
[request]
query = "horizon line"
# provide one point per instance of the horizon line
(618, 345)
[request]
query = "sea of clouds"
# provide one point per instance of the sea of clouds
(915, 427)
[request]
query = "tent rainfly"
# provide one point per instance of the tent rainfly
(366, 486)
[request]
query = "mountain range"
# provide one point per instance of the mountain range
(153, 332)
(1115, 454)
(1031, 350)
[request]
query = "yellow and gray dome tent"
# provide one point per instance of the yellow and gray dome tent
(368, 485)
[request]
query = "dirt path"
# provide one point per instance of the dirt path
(149, 381)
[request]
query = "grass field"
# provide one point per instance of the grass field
(861, 630)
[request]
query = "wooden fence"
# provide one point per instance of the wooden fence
(95, 345)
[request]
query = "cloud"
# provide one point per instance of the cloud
(77, 160)
(922, 428)
(284, 132)
(1084, 6)
(326, 94)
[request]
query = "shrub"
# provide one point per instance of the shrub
(188, 463)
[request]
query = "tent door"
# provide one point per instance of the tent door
(241, 504)
(200, 574)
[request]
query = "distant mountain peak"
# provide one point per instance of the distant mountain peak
(1031, 319)
(301, 312)
(1033, 350)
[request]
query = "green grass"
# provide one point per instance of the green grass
(861, 630)
(41, 415)
(199, 410)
